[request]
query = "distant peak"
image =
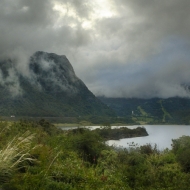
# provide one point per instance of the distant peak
(42, 53)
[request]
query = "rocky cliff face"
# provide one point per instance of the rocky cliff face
(54, 73)
(47, 86)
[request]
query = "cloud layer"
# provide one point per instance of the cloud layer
(118, 48)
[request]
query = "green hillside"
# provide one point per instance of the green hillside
(172, 110)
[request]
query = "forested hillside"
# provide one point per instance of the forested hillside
(174, 110)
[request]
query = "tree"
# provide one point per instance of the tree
(181, 148)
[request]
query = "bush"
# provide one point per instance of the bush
(181, 148)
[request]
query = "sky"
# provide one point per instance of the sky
(123, 48)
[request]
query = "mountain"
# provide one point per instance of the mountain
(174, 110)
(46, 87)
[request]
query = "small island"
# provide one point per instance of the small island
(108, 133)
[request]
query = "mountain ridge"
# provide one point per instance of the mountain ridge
(50, 87)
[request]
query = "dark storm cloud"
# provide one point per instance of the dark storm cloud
(31, 25)
(83, 8)
(149, 47)
(144, 25)
(141, 50)
(26, 12)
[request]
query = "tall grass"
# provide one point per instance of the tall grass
(14, 154)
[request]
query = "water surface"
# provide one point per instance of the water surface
(161, 135)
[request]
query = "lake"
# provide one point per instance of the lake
(161, 135)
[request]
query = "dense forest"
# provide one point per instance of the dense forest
(38, 156)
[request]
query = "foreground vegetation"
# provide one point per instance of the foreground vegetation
(38, 156)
